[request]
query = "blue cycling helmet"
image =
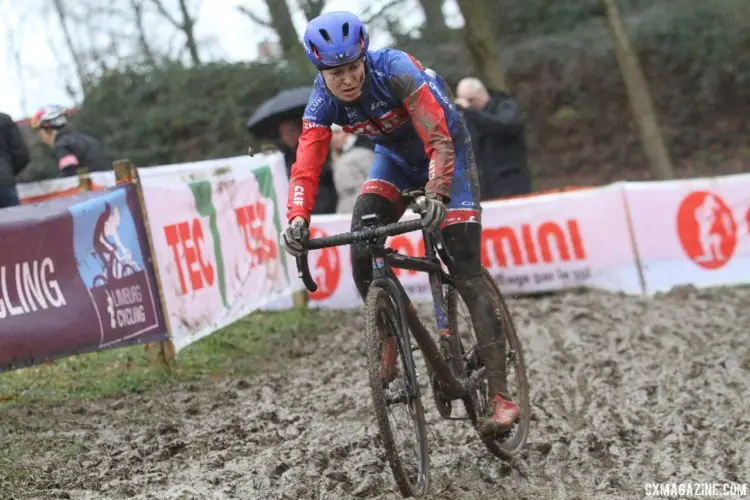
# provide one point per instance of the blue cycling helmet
(334, 39)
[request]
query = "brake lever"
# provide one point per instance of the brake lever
(303, 272)
(419, 207)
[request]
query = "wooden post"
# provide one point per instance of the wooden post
(84, 179)
(122, 171)
(300, 299)
(125, 172)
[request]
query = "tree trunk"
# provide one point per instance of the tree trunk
(281, 20)
(434, 22)
(312, 8)
(186, 25)
(640, 97)
(481, 42)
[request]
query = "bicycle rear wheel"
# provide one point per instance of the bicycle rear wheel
(518, 385)
(396, 391)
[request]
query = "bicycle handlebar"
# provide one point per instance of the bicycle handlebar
(372, 233)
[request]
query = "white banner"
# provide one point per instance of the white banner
(216, 230)
(692, 231)
(35, 192)
(536, 244)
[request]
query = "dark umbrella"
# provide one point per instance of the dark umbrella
(286, 104)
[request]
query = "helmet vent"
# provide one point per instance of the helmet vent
(326, 36)
(345, 30)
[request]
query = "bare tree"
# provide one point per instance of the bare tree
(138, 18)
(482, 43)
(639, 94)
(62, 17)
(103, 35)
(279, 20)
(312, 8)
(185, 24)
(434, 23)
(369, 15)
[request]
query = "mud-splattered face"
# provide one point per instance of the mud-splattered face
(345, 82)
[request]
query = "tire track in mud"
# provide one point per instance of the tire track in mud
(624, 391)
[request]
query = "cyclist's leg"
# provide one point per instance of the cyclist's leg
(381, 195)
(462, 232)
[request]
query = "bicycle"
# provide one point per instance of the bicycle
(455, 373)
(114, 268)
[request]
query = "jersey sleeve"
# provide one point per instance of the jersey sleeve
(312, 151)
(408, 85)
(66, 157)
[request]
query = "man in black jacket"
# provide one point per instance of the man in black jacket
(72, 149)
(14, 156)
(498, 136)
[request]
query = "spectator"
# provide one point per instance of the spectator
(71, 149)
(14, 156)
(497, 133)
(352, 157)
(289, 132)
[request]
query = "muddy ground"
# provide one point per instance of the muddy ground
(624, 391)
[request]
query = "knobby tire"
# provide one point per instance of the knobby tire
(380, 303)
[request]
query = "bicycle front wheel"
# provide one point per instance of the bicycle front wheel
(395, 394)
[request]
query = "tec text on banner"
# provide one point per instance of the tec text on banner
(76, 276)
(216, 230)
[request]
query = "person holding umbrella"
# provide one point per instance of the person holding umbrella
(421, 142)
(279, 119)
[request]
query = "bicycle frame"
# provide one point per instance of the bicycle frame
(384, 261)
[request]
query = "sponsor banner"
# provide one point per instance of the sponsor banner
(75, 277)
(544, 243)
(558, 241)
(36, 192)
(216, 231)
(692, 231)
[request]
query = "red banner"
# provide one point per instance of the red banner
(76, 276)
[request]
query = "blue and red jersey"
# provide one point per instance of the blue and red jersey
(402, 108)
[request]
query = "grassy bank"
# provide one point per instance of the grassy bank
(237, 350)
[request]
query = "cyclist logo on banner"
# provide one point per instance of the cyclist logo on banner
(707, 229)
(114, 257)
(111, 265)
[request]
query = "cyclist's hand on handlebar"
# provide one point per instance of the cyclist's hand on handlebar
(295, 237)
(432, 209)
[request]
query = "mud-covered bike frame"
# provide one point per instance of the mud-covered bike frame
(383, 261)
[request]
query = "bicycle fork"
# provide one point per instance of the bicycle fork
(383, 280)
